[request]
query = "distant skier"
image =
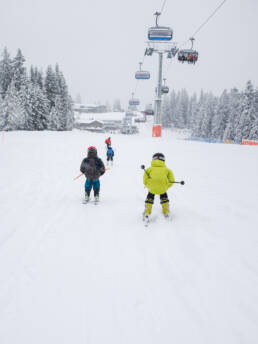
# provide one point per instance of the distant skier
(110, 155)
(93, 168)
(157, 179)
(108, 142)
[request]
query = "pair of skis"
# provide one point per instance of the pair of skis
(146, 219)
(95, 201)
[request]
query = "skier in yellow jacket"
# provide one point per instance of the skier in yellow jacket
(157, 179)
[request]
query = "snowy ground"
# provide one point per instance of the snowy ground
(74, 273)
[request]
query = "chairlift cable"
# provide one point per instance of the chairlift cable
(201, 26)
(205, 22)
(162, 8)
(212, 14)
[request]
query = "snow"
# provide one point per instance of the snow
(74, 273)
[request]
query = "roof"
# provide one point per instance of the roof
(89, 117)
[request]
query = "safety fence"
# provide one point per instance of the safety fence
(250, 142)
(243, 142)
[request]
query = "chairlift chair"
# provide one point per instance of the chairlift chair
(160, 33)
(142, 74)
(134, 102)
(188, 55)
(164, 88)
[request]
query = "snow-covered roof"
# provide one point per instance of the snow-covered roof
(86, 117)
(88, 121)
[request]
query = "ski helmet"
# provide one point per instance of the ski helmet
(158, 156)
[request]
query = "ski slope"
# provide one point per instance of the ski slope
(75, 273)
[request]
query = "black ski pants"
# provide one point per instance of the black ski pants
(150, 198)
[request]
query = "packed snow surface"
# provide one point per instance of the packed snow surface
(86, 274)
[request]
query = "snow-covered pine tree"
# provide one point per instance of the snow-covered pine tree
(234, 114)
(55, 115)
(248, 113)
(173, 105)
(220, 119)
(36, 105)
(254, 125)
(2, 118)
(78, 98)
(117, 105)
(184, 106)
(254, 130)
(12, 113)
(19, 71)
(6, 72)
(198, 114)
(192, 110)
(51, 86)
(39, 78)
(66, 114)
(166, 110)
(209, 109)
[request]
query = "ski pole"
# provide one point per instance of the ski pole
(78, 176)
(143, 167)
(182, 182)
(83, 173)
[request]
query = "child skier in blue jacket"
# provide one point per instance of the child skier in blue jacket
(110, 155)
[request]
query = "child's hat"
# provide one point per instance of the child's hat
(92, 149)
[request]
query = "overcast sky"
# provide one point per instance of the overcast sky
(99, 43)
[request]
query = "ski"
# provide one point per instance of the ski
(146, 220)
(94, 201)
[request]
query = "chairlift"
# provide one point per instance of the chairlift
(188, 55)
(160, 33)
(164, 88)
(142, 74)
(134, 101)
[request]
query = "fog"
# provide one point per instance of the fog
(98, 44)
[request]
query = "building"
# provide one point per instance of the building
(90, 108)
(94, 126)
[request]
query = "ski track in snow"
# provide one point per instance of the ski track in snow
(76, 273)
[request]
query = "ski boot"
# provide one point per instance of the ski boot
(165, 209)
(96, 199)
(146, 213)
(87, 198)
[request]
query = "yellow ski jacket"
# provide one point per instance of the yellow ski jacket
(159, 177)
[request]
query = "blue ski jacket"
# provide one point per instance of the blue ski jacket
(110, 152)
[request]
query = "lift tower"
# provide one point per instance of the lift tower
(159, 42)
